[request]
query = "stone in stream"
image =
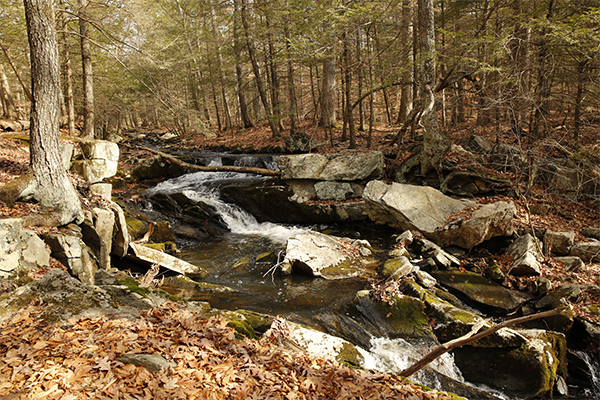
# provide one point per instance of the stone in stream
(350, 165)
(329, 257)
(440, 218)
(480, 291)
(151, 256)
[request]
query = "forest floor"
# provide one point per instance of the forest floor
(38, 360)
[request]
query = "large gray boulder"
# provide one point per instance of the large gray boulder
(330, 257)
(588, 250)
(349, 165)
(440, 218)
(34, 254)
(10, 245)
(558, 243)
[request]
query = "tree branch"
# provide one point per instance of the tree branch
(469, 338)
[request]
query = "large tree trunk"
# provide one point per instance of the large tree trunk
(435, 143)
(88, 74)
(327, 119)
(50, 184)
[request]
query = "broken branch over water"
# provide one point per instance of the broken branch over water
(473, 337)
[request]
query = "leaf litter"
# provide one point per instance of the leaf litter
(80, 360)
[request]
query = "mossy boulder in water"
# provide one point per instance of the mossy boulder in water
(527, 371)
(400, 317)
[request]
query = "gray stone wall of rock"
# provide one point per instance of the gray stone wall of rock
(121, 238)
(10, 245)
(440, 218)
(525, 252)
(73, 253)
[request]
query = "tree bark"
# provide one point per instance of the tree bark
(405, 38)
(88, 73)
(327, 98)
(8, 103)
(435, 143)
(68, 69)
(246, 121)
(50, 185)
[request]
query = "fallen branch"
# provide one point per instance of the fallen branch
(215, 168)
(471, 337)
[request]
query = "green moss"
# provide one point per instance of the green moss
(169, 296)
(349, 355)
(592, 309)
(243, 328)
(133, 286)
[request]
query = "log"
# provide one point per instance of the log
(215, 168)
(473, 337)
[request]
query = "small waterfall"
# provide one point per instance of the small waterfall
(593, 368)
(204, 187)
(394, 355)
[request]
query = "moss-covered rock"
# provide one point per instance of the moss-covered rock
(402, 316)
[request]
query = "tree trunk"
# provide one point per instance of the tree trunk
(290, 77)
(360, 76)
(52, 187)
(348, 114)
(405, 38)
(68, 69)
(435, 143)
(578, 99)
(519, 47)
(246, 121)
(88, 74)
(327, 119)
(256, 70)
(8, 103)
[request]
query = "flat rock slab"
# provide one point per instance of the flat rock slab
(440, 218)
(480, 292)
(166, 261)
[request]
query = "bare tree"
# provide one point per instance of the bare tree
(88, 73)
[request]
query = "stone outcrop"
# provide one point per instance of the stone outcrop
(440, 218)
(558, 243)
(99, 161)
(330, 257)
(73, 253)
(588, 250)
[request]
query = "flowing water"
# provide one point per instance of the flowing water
(296, 297)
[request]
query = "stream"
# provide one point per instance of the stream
(319, 303)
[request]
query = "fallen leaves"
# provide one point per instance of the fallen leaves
(81, 361)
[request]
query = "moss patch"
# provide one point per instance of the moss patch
(133, 286)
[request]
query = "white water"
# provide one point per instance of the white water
(203, 186)
(394, 355)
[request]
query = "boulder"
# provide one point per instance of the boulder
(10, 245)
(350, 165)
(572, 264)
(151, 256)
(98, 234)
(99, 150)
(591, 233)
(399, 317)
(156, 167)
(526, 255)
(73, 253)
(121, 238)
(397, 268)
(480, 292)
(588, 250)
(11, 126)
(474, 183)
(440, 218)
(476, 144)
(33, 252)
(527, 371)
(94, 171)
(66, 154)
(452, 322)
(258, 198)
(558, 243)
(330, 257)
(431, 251)
(102, 189)
(506, 157)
